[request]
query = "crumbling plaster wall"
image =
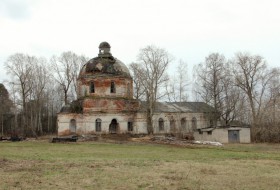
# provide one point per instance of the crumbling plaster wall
(85, 123)
(109, 105)
(140, 122)
(102, 86)
(201, 122)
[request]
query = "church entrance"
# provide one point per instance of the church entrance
(113, 126)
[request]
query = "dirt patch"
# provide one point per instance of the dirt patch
(17, 166)
(3, 161)
(149, 139)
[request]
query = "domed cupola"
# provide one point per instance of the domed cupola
(104, 50)
(105, 76)
(105, 63)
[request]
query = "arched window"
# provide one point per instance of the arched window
(161, 124)
(183, 124)
(113, 87)
(98, 125)
(172, 126)
(194, 124)
(92, 90)
(130, 126)
(72, 126)
(211, 123)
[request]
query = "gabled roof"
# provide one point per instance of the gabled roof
(171, 107)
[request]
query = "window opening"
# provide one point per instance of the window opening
(183, 124)
(92, 90)
(161, 124)
(113, 87)
(98, 125)
(194, 124)
(72, 125)
(130, 126)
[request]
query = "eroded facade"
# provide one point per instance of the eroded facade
(105, 104)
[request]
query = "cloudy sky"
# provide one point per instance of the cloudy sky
(188, 29)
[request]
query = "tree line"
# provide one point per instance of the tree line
(38, 90)
(242, 89)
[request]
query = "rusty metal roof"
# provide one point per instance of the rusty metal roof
(104, 45)
(171, 107)
(104, 63)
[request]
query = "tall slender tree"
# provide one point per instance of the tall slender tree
(151, 69)
(209, 76)
(20, 68)
(176, 87)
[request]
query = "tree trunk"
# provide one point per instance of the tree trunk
(150, 122)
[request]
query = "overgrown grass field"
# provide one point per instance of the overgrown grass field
(96, 165)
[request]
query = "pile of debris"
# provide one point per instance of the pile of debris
(181, 142)
(73, 138)
(170, 140)
(208, 143)
(12, 138)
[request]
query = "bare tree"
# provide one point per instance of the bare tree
(252, 77)
(6, 105)
(273, 97)
(248, 76)
(79, 62)
(231, 97)
(30, 78)
(41, 77)
(64, 71)
(176, 87)
(209, 76)
(20, 68)
(139, 90)
(151, 69)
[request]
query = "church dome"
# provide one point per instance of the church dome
(105, 64)
(104, 45)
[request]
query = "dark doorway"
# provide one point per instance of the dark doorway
(113, 126)
(233, 136)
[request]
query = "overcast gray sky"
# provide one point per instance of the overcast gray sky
(188, 29)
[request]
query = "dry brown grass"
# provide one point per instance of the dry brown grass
(41, 165)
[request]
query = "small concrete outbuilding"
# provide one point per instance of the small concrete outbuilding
(230, 134)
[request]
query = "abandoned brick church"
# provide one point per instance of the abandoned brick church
(106, 105)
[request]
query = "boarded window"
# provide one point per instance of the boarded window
(113, 87)
(92, 90)
(161, 124)
(130, 126)
(98, 125)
